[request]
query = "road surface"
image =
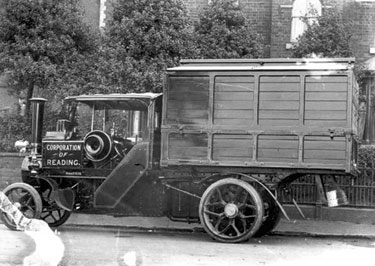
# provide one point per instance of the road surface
(93, 246)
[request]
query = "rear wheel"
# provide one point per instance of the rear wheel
(26, 199)
(231, 210)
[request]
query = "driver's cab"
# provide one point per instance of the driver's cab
(110, 125)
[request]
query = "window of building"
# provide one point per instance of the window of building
(302, 9)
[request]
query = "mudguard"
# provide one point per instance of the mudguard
(122, 178)
(64, 198)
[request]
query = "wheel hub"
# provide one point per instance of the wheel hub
(231, 210)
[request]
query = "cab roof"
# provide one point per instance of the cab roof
(131, 101)
(113, 97)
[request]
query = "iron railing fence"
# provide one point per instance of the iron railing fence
(360, 190)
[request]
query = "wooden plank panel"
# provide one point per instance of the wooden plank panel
(232, 141)
(182, 115)
(325, 115)
(278, 96)
(327, 79)
(234, 79)
(232, 136)
(237, 96)
(188, 99)
(191, 82)
(218, 152)
(239, 105)
(188, 94)
(323, 149)
(191, 153)
(187, 105)
(278, 137)
(325, 87)
(326, 154)
(280, 87)
(234, 114)
(276, 154)
(187, 146)
(233, 100)
(326, 123)
(325, 145)
(275, 148)
(230, 147)
(278, 114)
(188, 140)
(279, 144)
(233, 122)
(324, 138)
(238, 87)
(279, 105)
(325, 161)
(278, 122)
(280, 79)
(326, 106)
(326, 96)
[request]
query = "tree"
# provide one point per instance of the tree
(328, 36)
(41, 45)
(224, 32)
(143, 38)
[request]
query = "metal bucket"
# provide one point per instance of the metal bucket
(336, 198)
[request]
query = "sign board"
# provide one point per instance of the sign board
(62, 154)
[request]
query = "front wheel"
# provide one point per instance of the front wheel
(231, 210)
(52, 214)
(26, 199)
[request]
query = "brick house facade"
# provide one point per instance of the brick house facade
(271, 18)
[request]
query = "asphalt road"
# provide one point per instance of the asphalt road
(93, 246)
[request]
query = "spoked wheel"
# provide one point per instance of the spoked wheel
(272, 214)
(52, 214)
(231, 210)
(26, 199)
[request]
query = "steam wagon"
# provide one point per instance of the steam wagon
(214, 148)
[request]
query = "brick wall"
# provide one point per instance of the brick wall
(363, 16)
(10, 168)
(281, 24)
(280, 28)
(259, 12)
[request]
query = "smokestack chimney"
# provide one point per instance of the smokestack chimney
(37, 107)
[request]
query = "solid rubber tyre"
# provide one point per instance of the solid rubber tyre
(28, 199)
(272, 215)
(231, 210)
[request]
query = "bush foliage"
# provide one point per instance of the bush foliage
(141, 41)
(328, 36)
(366, 156)
(45, 47)
(42, 44)
(224, 32)
(17, 127)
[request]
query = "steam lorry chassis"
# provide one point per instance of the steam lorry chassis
(214, 148)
